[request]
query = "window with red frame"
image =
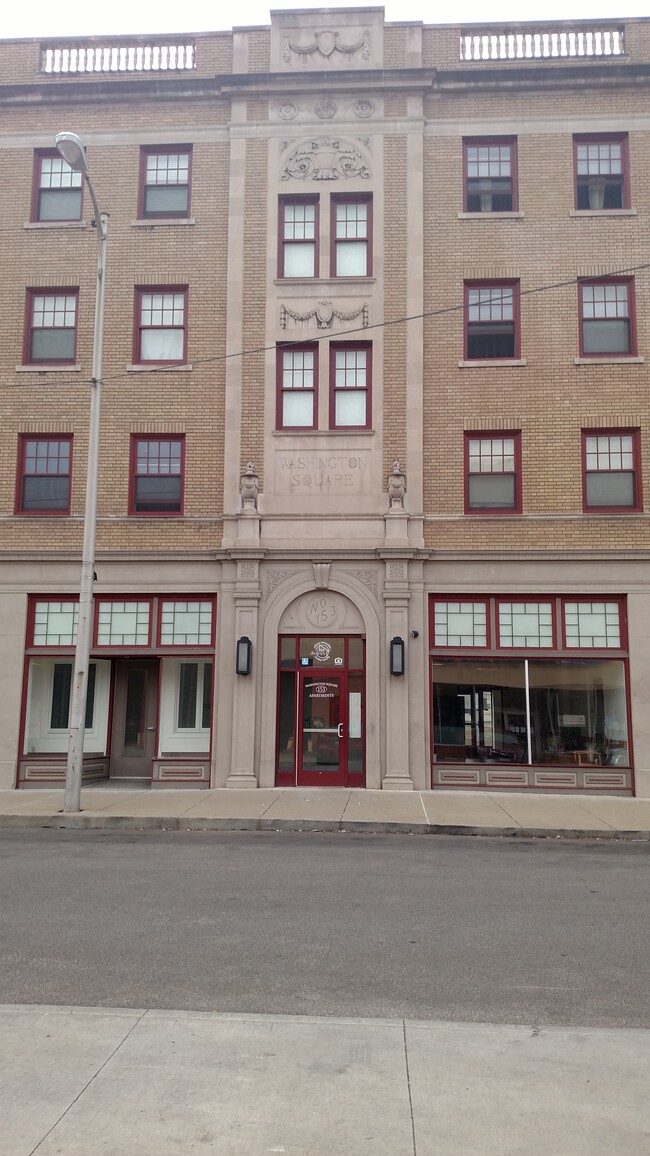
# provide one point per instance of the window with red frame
(51, 326)
(157, 475)
(601, 167)
(297, 387)
(351, 232)
(350, 381)
(298, 237)
(58, 192)
(161, 325)
(490, 175)
(611, 470)
(165, 182)
(44, 472)
(491, 321)
(493, 473)
(606, 318)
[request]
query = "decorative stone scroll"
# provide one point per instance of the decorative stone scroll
(326, 43)
(325, 159)
(325, 313)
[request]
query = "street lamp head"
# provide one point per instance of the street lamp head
(72, 151)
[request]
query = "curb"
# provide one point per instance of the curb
(82, 822)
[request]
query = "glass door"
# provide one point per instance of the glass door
(322, 750)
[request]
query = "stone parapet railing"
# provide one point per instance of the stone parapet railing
(145, 54)
(538, 42)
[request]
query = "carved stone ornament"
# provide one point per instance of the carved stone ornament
(325, 109)
(327, 43)
(363, 108)
(247, 570)
(321, 575)
(325, 159)
(396, 487)
(274, 578)
(249, 488)
(368, 578)
(288, 110)
(324, 314)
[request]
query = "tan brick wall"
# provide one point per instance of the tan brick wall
(395, 267)
(254, 304)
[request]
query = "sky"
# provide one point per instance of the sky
(41, 18)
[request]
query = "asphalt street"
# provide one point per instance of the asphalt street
(431, 928)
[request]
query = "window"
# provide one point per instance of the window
(460, 624)
(123, 623)
(186, 699)
(44, 475)
(297, 387)
(606, 315)
(298, 237)
(51, 336)
(611, 470)
(161, 328)
(493, 473)
(601, 164)
(350, 380)
(157, 470)
(186, 623)
(58, 191)
(490, 175)
(165, 182)
(351, 232)
(491, 325)
(48, 705)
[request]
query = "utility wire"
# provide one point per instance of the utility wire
(428, 314)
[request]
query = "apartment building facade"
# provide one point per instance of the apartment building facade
(372, 499)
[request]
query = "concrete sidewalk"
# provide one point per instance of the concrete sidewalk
(77, 1081)
(295, 809)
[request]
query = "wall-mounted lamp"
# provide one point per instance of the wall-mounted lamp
(243, 656)
(397, 656)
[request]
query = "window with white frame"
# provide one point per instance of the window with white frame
(186, 705)
(593, 625)
(526, 624)
(460, 624)
(123, 623)
(186, 623)
(55, 623)
(48, 705)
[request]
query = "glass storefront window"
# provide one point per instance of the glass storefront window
(577, 715)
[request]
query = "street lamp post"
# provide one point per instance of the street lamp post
(72, 151)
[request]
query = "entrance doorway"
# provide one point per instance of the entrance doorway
(133, 736)
(321, 691)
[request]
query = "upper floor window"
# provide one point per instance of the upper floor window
(51, 330)
(491, 320)
(157, 467)
(161, 325)
(165, 182)
(297, 387)
(350, 382)
(490, 175)
(44, 475)
(606, 318)
(351, 232)
(601, 171)
(611, 470)
(298, 237)
(58, 192)
(493, 473)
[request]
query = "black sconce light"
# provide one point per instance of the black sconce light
(397, 656)
(244, 656)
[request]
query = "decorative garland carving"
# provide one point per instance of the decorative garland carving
(324, 314)
(325, 159)
(274, 578)
(367, 578)
(327, 43)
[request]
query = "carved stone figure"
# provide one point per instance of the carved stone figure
(249, 488)
(396, 486)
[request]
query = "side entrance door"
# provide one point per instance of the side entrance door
(133, 742)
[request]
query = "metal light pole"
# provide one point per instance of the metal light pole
(72, 151)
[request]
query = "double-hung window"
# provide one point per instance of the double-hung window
(51, 331)
(161, 325)
(601, 167)
(297, 369)
(165, 182)
(493, 473)
(350, 384)
(351, 233)
(157, 466)
(491, 321)
(58, 192)
(490, 175)
(44, 475)
(298, 237)
(611, 470)
(606, 318)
